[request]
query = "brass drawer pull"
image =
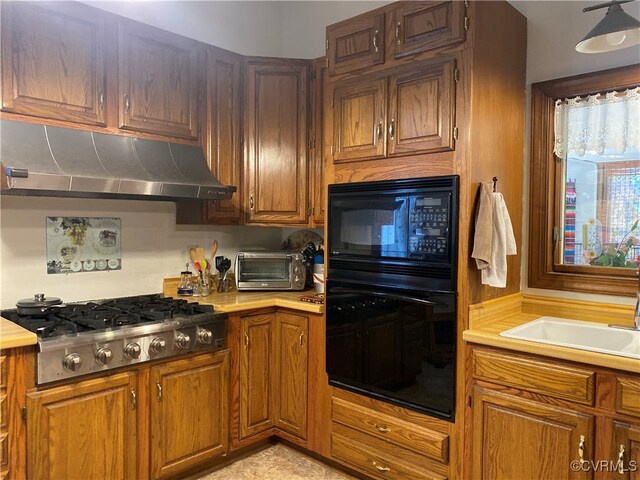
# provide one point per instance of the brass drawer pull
(382, 428)
(301, 338)
(159, 387)
(620, 465)
(246, 340)
(375, 41)
(134, 399)
(380, 468)
(379, 130)
(581, 450)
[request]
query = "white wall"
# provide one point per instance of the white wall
(246, 27)
(293, 29)
(553, 29)
(153, 247)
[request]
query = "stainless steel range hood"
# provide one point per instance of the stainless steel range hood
(60, 162)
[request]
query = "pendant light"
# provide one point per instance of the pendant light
(615, 31)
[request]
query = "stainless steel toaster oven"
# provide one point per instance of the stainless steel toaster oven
(260, 270)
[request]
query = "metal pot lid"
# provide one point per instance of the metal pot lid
(38, 300)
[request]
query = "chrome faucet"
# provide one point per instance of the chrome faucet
(636, 314)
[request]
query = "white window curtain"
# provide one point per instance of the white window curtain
(597, 123)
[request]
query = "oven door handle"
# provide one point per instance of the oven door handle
(397, 296)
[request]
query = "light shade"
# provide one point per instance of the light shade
(615, 31)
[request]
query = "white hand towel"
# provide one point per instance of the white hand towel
(503, 243)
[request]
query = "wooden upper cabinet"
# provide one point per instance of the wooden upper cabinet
(422, 109)
(316, 131)
(409, 112)
(276, 142)
(292, 356)
(53, 61)
(359, 120)
(355, 43)
(224, 83)
(84, 430)
(415, 27)
(189, 412)
(158, 90)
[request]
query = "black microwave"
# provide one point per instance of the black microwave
(397, 233)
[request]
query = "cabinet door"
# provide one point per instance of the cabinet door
(422, 110)
(415, 27)
(355, 43)
(626, 450)
(517, 438)
(52, 61)
(316, 129)
(223, 129)
(158, 81)
(276, 132)
(85, 430)
(292, 340)
(359, 120)
(256, 374)
(189, 412)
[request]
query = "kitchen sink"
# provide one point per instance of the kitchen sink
(594, 337)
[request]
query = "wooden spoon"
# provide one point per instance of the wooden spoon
(214, 250)
(200, 254)
(193, 255)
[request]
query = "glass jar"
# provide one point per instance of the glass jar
(185, 287)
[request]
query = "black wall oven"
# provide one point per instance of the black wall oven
(391, 291)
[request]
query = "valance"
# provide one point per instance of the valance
(596, 123)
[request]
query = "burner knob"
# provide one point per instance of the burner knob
(132, 351)
(183, 341)
(103, 356)
(158, 345)
(72, 362)
(205, 336)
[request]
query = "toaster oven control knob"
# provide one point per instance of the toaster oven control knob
(205, 336)
(72, 362)
(132, 351)
(157, 345)
(297, 270)
(103, 356)
(183, 340)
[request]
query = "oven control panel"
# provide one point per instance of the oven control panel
(429, 217)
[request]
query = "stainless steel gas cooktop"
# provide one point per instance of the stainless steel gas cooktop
(83, 338)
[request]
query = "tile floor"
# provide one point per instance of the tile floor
(277, 462)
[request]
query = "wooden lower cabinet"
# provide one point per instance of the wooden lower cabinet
(626, 449)
(189, 412)
(256, 374)
(535, 417)
(274, 355)
(527, 440)
(85, 430)
(292, 340)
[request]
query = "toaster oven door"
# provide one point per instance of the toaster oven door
(263, 272)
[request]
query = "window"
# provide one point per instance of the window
(585, 183)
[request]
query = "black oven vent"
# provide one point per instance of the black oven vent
(395, 185)
(414, 270)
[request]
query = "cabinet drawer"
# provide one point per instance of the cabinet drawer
(628, 396)
(388, 461)
(571, 383)
(378, 425)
